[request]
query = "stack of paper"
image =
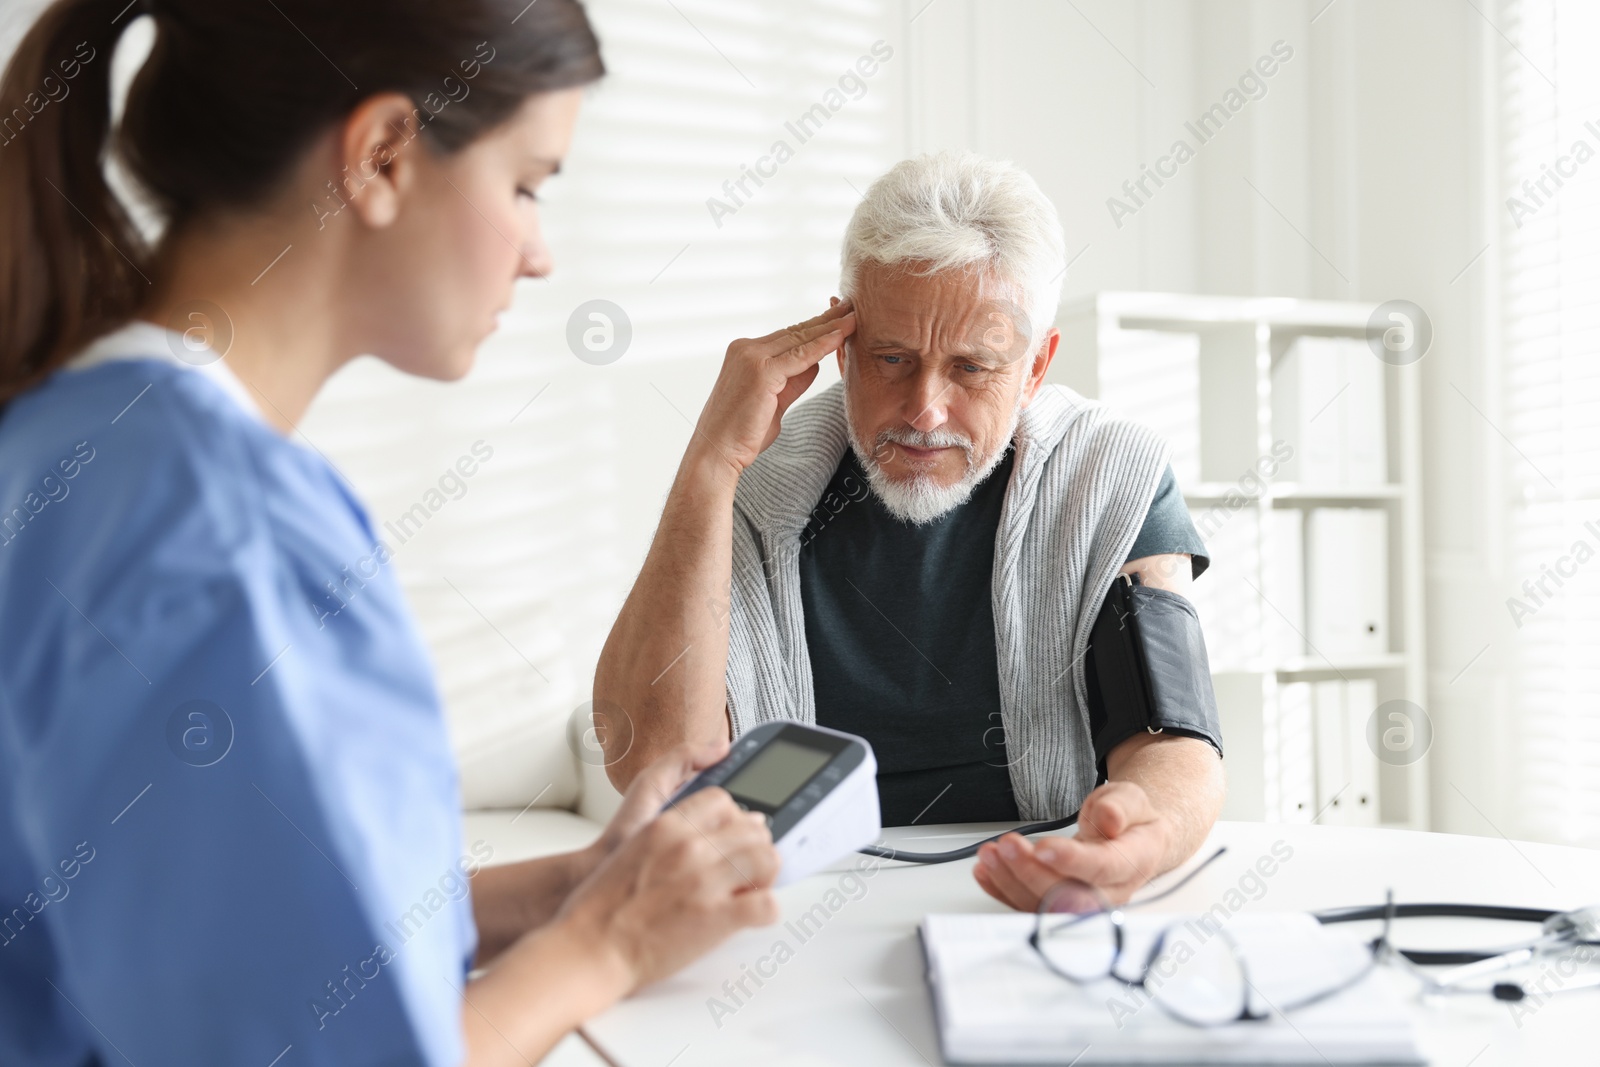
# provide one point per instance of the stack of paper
(996, 1002)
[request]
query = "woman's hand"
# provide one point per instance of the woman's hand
(676, 887)
(760, 379)
(510, 899)
(650, 792)
(676, 884)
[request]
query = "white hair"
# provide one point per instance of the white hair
(958, 210)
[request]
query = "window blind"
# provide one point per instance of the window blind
(517, 571)
(1550, 174)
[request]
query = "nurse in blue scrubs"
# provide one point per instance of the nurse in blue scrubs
(229, 822)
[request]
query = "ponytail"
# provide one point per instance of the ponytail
(229, 98)
(72, 263)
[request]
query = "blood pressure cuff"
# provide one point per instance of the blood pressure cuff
(1147, 669)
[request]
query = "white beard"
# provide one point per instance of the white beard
(919, 499)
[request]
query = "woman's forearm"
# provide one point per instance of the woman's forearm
(510, 899)
(542, 987)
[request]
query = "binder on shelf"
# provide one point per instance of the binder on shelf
(1333, 767)
(1366, 460)
(1297, 778)
(1328, 403)
(1347, 583)
(1285, 589)
(1346, 767)
(1360, 701)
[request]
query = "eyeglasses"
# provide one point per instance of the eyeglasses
(1081, 937)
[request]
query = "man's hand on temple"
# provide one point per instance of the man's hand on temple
(761, 377)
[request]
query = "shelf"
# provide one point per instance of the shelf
(1290, 494)
(1303, 665)
(1300, 666)
(1204, 371)
(1294, 494)
(1185, 312)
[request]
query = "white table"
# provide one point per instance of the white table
(853, 992)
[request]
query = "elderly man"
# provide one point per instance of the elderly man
(919, 556)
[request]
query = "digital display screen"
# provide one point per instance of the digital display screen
(777, 772)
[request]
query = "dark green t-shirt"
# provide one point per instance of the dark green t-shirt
(900, 630)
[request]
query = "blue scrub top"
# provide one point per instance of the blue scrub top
(229, 816)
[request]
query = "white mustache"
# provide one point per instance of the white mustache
(912, 438)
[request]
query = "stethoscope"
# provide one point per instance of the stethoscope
(1558, 929)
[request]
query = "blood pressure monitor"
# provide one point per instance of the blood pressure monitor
(817, 787)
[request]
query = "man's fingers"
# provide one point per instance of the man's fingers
(800, 346)
(1024, 865)
(837, 311)
(1102, 816)
(795, 388)
(1107, 865)
(821, 320)
(1010, 889)
(1111, 810)
(813, 351)
(1002, 887)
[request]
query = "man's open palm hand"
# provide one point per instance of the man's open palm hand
(1121, 844)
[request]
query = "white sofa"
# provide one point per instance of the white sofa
(537, 791)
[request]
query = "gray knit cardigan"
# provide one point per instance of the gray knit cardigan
(1081, 485)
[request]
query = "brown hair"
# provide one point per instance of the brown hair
(231, 95)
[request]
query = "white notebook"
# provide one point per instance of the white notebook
(997, 1003)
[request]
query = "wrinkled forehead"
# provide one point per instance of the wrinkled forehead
(965, 312)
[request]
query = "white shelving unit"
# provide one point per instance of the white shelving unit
(1214, 402)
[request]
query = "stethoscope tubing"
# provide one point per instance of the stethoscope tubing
(887, 853)
(1376, 912)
